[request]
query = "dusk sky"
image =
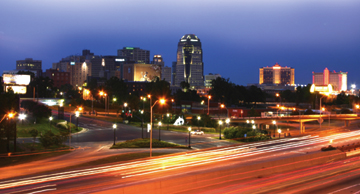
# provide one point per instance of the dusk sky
(238, 37)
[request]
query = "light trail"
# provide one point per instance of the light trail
(138, 168)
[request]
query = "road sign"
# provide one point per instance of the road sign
(148, 127)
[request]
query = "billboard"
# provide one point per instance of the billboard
(146, 72)
(16, 89)
(16, 79)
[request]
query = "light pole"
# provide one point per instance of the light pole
(209, 97)
(189, 137)
(77, 114)
(142, 124)
(279, 131)
(168, 115)
(159, 125)
(278, 95)
(22, 116)
(227, 111)
(320, 120)
(220, 123)
(114, 127)
(102, 93)
(50, 119)
(198, 122)
(274, 123)
(162, 101)
(125, 105)
(227, 121)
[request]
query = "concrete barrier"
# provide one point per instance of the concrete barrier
(200, 179)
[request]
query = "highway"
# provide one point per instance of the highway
(113, 177)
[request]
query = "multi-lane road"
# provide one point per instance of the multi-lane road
(113, 178)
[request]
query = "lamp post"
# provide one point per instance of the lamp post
(220, 123)
(114, 127)
(77, 114)
(159, 125)
(278, 95)
(320, 120)
(50, 119)
(279, 131)
(125, 105)
(227, 111)
(227, 121)
(142, 124)
(162, 101)
(274, 123)
(189, 137)
(168, 115)
(102, 93)
(198, 118)
(22, 116)
(209, 97)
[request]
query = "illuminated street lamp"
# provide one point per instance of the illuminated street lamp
(114, 127)
(125, 105)
(254, 127)
(168, 115)
(162, 101)
(209, 97)
(142, 124)
(189, 136)
(77, 114)
(274, 123)
(159, 124)
(50, 119)
(102, 93)
(198, 118)
(220, 123)
(22, 117)
(278, 95)
(279, 131)
(227, 121)
(227, 111)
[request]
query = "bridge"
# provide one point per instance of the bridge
(296, 118)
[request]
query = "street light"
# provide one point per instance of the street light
(274, 123)
(220, 123)
(254, 127)
(279, 131)
(159, 124)
(102, 93)
(50, 119)
(209, 97)
(77, 114)
(162, 101)
(22, 116)
(227, 111)
(227, 121)
(114, 127)
(168, 115)
(198, 118)
(189, 136)
(125, 105)
(278, 95)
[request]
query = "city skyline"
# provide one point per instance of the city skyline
(237, 37)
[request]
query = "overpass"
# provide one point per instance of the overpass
(296, 118)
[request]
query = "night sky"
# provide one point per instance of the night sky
(238, 37)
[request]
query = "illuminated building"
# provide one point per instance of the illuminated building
(165, 71)
(277, 75)
(338, 80)
(107, 66)
(134, 55)
(209, 78)
(59, 78)
(29, 64)
(189, 65)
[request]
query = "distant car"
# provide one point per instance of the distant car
(197, 132)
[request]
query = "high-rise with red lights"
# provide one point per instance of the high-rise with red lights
(338, 80)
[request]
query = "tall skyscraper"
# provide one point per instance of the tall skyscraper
(338, 80)
(189, 65)
(134, 55)
(277, 75)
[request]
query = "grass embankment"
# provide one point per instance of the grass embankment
(145, 143)
(207, 130)
(42, 126)
(26, 155)
(109, 118)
